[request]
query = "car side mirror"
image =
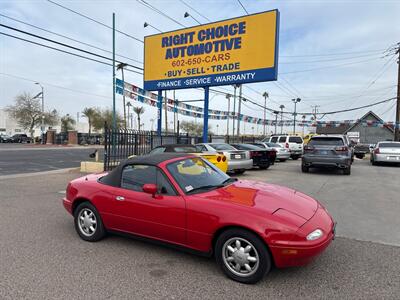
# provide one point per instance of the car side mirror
(150, 188)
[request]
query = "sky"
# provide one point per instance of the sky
(332, 53)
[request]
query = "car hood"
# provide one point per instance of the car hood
(265, 197)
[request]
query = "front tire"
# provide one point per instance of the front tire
(88, 223)
(347, 171)
(305, 169)
(265, 166)
(242, 256)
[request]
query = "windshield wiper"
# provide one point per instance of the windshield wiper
(229, 180)
(205, 187)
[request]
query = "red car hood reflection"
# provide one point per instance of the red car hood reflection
(265, 197)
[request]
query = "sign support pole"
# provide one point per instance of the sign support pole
(205, 120)
(159, 112)
(114, 121)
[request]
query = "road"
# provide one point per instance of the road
(21, 158)
(42, 257)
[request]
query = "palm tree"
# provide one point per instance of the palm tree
(90, 113)
(67, 123)
(139, 111)
(121, 67)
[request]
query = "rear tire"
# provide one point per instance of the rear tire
(282, 160)
(265, 166)
(88, 223)
(305, 169)
(239, 172)
(347, 171)
(242, 256)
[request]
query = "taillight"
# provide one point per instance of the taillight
(251, 154)
(224, 158)
(287, 145)
(376, 151)
(342, 149)
(219, 158)
(308, 148)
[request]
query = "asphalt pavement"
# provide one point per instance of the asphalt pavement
(42, 257)
(25, 158)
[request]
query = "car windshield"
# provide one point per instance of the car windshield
(295, 139)
(195, 175)
(326, 141)
(389, 145)
(222, 147)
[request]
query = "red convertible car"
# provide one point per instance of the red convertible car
(186, 201)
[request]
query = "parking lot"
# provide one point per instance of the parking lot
(42, 256)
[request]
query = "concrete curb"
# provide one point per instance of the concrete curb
(59, 171)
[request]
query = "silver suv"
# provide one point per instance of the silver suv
(293, 143)
(327, 151)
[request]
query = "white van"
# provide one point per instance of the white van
(292, 142)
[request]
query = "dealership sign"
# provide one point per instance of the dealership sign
(234, 51)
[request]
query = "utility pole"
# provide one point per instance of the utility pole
(314, 110)
(239, 110)
(276, 118)
(265, 95)
(121, 67)
(229, 113)
(397, 123)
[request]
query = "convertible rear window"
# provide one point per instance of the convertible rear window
(329, 141)
(389, 145)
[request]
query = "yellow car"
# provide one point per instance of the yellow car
(219, 160)
(308, 137)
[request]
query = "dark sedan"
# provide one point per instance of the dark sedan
(262, 158)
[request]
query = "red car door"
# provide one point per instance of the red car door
(162, 216)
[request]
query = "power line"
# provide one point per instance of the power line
(196, 11)
(325, 60)
(63, 51)
(334, 54)
(53, 85)
(69, 38)
(96, 21)
(243, 7)
(148, 5)
(63, 44)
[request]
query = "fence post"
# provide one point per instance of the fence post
(105, 147)
(151, 140)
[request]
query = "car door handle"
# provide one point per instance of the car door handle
(120, 198)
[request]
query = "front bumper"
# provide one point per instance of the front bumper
(300, 251)
(67, 205)
(325, 161)
(240, 164)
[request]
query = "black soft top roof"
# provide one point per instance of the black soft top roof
(114, 177)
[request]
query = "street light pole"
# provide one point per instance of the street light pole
(239, 111)
(42, 116)
(265, 95)
(229, 113)
(295, 101)
(276, 118)
(282, 107)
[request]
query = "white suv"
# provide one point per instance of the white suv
(292, 142)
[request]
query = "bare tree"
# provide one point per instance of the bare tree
(27, 111)
(139, 111)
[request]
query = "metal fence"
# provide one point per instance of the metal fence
(121, 143)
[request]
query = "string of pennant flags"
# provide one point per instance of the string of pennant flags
(146, 97)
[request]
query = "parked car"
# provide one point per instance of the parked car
(261, 157)
(20, 138)
(238, 160)
(327, 151)
(386, 152)
(4, 138)
(360, 150)
(215, 158)
(187, 202)
(292, 142)
(282, 154)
